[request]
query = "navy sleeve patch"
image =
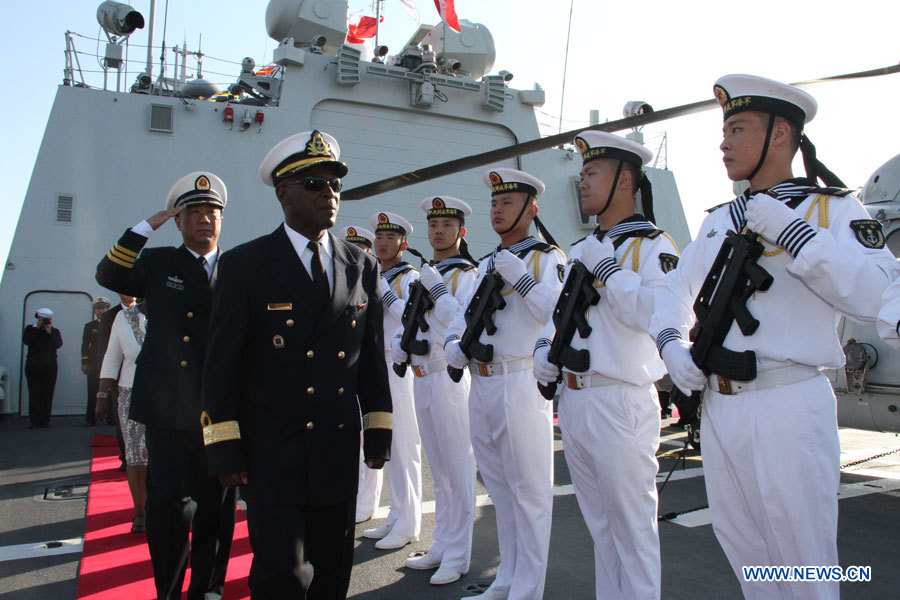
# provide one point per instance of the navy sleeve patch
(868, 233)
(667, 262)
(561, 271)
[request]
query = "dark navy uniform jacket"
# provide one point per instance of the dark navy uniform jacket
(175, 285)
(290, 374)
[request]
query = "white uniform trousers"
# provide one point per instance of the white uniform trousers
(442, 410)
(771, 460)
(610, 437)
(404, 470)
(512, 436)
(368, 493)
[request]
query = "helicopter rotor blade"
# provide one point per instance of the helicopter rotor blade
(492, 156)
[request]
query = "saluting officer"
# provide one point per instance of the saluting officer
(175, 282)
(404, 472)
(370, 480)
(770, 445)
(296, 334)
(609, 414)
(442, 408)
(511, 424)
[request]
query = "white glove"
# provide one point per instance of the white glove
(777, 223)
(397, 354)
(432, 281)
(510, 266)
(456, 358)
(684, 373)
(544, 370)
(388, 296)
(594, 252)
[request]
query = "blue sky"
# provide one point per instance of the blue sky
(665, 53)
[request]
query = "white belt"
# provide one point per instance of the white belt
(502, 366)
(434, 366)
(574, 381)
(764, 380)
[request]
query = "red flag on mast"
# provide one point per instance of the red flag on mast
(361, 30)
(448, 13)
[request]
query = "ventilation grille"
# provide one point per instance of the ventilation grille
(494, 92)
(64, 206)
(161, 118)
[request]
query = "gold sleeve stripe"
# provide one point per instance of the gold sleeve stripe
(378, 420)
(120, 256)
(126, 251)
(118, 261)
(218, 432)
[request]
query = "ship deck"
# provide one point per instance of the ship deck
(45, 474)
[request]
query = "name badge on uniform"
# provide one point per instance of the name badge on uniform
(175, 283)
(279, 306)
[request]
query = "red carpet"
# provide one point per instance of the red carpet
(115, 563)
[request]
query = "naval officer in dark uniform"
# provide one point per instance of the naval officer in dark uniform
(176, 283)
(297, 331)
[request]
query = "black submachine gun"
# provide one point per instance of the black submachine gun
(734, 277)
(578, 293)
(413, 321)
(480, 317)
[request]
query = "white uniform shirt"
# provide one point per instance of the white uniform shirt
(619, 345)
(520, 322)
(460, 286)
(890, 315)
(834, 274)
(394, 312)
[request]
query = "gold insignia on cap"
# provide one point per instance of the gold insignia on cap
(722, 96)
(495, 178)
(317, 145)
(437, 203)
(581, 145)
(351, 231)
(383, 218)
(202, 183)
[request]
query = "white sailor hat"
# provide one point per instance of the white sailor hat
(299, 152)
(101, 301)
(199, 187)
(593, 145)
(445, 206)
(502, 181)
(737, 93)
(352, 233)
(388, 221)
(46, 313)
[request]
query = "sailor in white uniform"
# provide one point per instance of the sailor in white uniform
(511, 423)
(404, 470)
(770, 445)
(442, 406)
(889, 316)
(370, 480)
(609, 414)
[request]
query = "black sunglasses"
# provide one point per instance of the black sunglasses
(317, 183)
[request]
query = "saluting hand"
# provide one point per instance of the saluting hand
(162, 216)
